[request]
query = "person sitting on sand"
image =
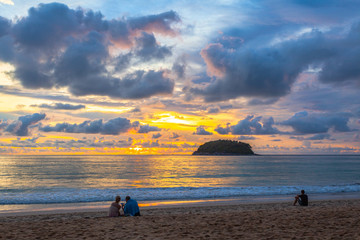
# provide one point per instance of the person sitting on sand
(131, 207)
(301, 199)
(114, 210)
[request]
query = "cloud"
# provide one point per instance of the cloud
(213, 110)
(179, 67)
(201, 131)
(61, 106)
(261, 71)
(253, 126)
(305, 123)
(174, 135)
(8, 2)
(69, 145)
(158, 135)
(250, 126)
(247, 62)
(241, 138)
(147, 48)
(147, 128)
(160, 23)
(222, 130)
(112, 127)
(22, 125)
(320, 136)
(55, 46)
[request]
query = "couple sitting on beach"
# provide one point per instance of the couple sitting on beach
(130, 208)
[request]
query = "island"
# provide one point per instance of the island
(224, 147)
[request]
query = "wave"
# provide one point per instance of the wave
(72, 195)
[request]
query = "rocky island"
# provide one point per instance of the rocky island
(224, 147)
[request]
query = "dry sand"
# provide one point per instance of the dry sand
(336, 219)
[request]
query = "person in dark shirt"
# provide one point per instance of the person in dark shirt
(301, 199)
(131, 207)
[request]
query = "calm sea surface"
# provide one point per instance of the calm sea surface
(76, 179)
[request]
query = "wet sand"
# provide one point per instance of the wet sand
(327, 219)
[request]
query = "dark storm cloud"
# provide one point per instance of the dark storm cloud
(55, 46)
(174, 135)
(179, 67)
(147, 128)
(158, 135)
(266, 72)
(223, 130)
(139, 84)
(147, 48)
(255, 102)
(112, 127)
(4, 26)
(252, 63)
(135, 110)
(305, 123)
(213, 110)
(156, 23)
(202, 131)
(244, 138)
(61, 106)
(32, 94)
(250, 126)
(343, 66)
(22, 125)
(320, 136)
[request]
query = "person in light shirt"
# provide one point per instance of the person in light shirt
(114, 210)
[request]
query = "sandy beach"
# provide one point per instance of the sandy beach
(333, 219)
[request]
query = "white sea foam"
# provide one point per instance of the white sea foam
(38, 196)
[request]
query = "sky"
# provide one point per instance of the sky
(164, 77)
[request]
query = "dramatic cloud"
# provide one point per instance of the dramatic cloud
(55, 46)
(201, 131)
(305, 123)
(112, 127)
(22, 125)
(223, 131)
(250, 126)
(258, 64)
(147, 48)
(174, 135)
(320, 136)
(158, 135)
(147, 128)
(61, 106)
(213, 110)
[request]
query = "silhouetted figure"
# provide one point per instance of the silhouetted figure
(301, 199)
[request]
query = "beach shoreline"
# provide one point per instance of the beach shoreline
(31, 209)
(322, 219)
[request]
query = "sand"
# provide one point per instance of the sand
(335, 219)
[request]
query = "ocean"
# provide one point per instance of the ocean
(27, 182)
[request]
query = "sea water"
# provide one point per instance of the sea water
(46, 180)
